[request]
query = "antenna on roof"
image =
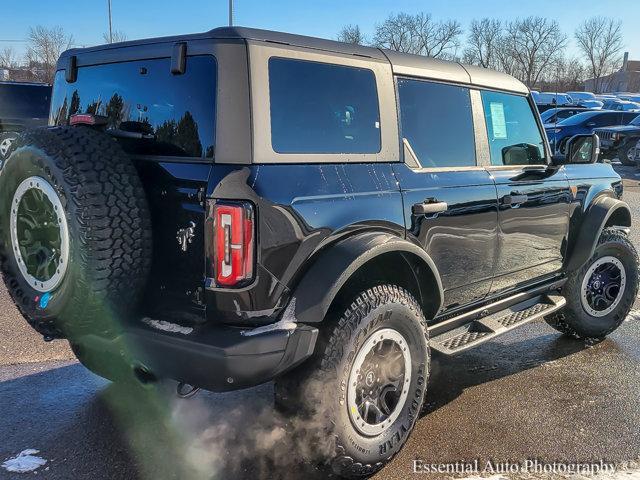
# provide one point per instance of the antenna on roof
(231, 13)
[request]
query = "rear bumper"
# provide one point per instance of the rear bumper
(213, 358)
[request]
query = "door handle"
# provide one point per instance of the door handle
(429, 207)
(514, 199)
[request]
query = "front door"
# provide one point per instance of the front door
(450, 202)
(534, 197)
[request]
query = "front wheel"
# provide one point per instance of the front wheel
(600, 294)
(627, 153)
(370, 381)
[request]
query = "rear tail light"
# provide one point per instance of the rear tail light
(233, 243)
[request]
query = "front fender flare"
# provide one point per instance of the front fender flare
(596, 218)
(333, 268)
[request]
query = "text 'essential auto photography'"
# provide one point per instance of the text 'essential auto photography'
(292, 240)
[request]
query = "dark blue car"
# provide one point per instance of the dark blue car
(584, 123)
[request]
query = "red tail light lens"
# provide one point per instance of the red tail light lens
(233, 242)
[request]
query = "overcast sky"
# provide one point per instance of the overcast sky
(87, 19)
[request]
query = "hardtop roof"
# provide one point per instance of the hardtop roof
(401, 63)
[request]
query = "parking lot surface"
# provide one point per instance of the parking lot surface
(530, 395)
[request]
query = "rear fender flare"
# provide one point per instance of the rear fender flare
(332, 269)
(596, 218)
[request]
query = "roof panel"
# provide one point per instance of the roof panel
(426, 67)
(483, 77)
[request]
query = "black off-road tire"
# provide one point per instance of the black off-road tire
(317, 391)
(108, 225)
(623, 153)
(573, 320)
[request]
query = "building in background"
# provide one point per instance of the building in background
(627, 79)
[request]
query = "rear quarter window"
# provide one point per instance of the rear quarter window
(322, 108)
(175, 114)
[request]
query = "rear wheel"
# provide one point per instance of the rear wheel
(600, 294)
(369, 382)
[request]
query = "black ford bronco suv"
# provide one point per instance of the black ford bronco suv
(238, 206)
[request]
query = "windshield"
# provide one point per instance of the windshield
(577, 119)
(549, 115)
(24, 100)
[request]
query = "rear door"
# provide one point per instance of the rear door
(534, 197)
(450, 202)
(165, 122)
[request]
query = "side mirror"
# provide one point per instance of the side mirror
(583, 149)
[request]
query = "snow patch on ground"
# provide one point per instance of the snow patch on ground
(167, 326)
(26, 461)
(633, 315)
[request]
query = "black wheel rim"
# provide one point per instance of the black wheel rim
(379, 380)
(603, 286)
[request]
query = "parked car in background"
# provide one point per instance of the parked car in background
(582, 124)
(621, 105)
(547, 100)
(631, 97)
(555, 115)
(579, 96)
(22, 106)
(593, 104)
(620, 141)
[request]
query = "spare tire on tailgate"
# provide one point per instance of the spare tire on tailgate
(75, 231)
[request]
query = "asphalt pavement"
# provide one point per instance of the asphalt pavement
(530, 395)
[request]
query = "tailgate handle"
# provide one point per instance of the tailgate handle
(514, 199)
(429, 206)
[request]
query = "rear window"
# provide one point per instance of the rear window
(174, 114)
(24, 101)
(323, 108)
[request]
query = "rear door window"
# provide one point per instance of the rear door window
(322, 108)
(514, 136)
(437, 123)
(171, 115)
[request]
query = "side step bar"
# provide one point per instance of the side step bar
(487, 328)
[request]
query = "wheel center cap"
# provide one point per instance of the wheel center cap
(370, 379)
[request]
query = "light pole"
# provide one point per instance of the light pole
(110, 27)
(230, 13)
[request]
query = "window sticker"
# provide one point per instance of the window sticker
(498, 122)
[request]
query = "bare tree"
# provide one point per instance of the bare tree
(436, 39)
(8, 58)
(600, 40)
(419, 34)
(565, 74)
(484, 43)
(352, 34)
(115, 37)
(397, 33)
(532, 44)
(45, 46)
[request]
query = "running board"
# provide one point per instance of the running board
(487, 328)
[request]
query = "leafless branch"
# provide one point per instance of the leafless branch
(117, 36)
(600, 40)
(483, 43)
(45, 46)
(352, 34)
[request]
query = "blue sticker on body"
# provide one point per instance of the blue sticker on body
(44, 300)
